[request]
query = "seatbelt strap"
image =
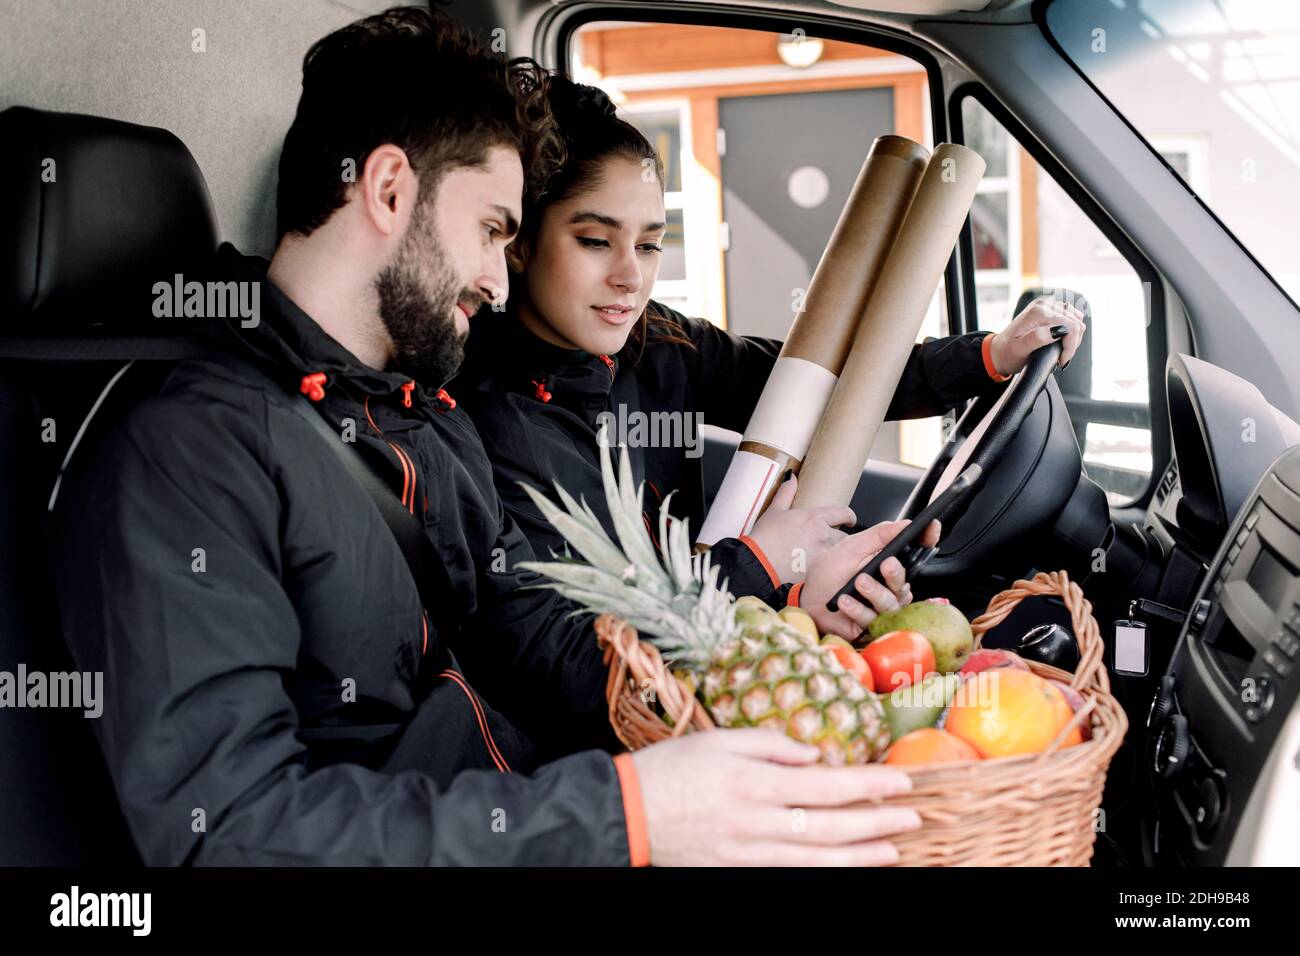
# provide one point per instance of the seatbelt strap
(426, 564)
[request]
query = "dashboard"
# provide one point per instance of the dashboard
(1225, 436)
(1228, 509)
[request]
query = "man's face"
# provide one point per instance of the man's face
(450, 262)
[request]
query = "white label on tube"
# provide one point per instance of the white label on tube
(735, 507)
(791, 406)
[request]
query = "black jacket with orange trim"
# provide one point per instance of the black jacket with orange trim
(538, 408)
(275, 691)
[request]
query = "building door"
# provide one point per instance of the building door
(788, 163)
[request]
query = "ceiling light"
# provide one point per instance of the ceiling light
(798, 50)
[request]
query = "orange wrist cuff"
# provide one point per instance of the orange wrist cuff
(638, 835)
(986, 351)
(762, 559)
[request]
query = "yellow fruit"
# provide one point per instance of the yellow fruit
(753, 612)
(800, 620)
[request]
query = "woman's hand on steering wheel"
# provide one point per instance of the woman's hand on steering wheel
(1032, 329)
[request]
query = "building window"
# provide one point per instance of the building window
(664, 127)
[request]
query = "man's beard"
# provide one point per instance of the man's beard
(417, 292)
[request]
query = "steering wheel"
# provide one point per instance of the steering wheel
(1043, 467)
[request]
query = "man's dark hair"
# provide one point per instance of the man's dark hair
(413, 78)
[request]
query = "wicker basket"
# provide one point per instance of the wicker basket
(1030, 810)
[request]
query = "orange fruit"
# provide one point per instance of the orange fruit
(929, 745)
(1005, 711)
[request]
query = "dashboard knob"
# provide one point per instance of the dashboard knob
(1207, 807)
(1173, 746)
(1200, 614)
(1162, 704)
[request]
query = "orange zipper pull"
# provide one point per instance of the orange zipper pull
(313, 386)
(406, 393)
(446, 399)
(542, 394)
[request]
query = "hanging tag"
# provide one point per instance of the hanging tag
(1131, 649)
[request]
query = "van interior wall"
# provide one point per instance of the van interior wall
(228, 92)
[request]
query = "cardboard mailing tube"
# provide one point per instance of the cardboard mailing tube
(801, 382)
(884, 340)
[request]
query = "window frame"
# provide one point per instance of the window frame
(554, 47)
(1197, 150)
(1157, 338)
(554, 36)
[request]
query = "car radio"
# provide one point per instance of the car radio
(1232, 681)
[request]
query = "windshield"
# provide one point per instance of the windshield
(1214, 87)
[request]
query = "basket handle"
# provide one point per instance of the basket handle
(1091, 671)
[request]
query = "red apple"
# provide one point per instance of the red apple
(991, 659)
(1076, 701)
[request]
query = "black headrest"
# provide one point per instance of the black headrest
(89, 208)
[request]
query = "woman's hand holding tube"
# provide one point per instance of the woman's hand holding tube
(793, 538)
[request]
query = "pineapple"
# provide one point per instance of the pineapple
(752, 668)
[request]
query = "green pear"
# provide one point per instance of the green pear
(918, 705)
(753, 612)
(945, 627)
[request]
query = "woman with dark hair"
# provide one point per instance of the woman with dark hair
(580, 343)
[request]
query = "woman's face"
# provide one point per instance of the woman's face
(590, 270)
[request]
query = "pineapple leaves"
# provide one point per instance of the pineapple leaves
(664, 592)
(581, 531)
(624, 500)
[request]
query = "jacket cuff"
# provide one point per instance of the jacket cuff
(792, 599)
(762, 559)
(638, 835)
(747, 571)
(986, 352)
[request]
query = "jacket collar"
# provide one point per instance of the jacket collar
(287, 337)
(503, 355)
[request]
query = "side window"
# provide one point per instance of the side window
(762, 135)
(1029, 236)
